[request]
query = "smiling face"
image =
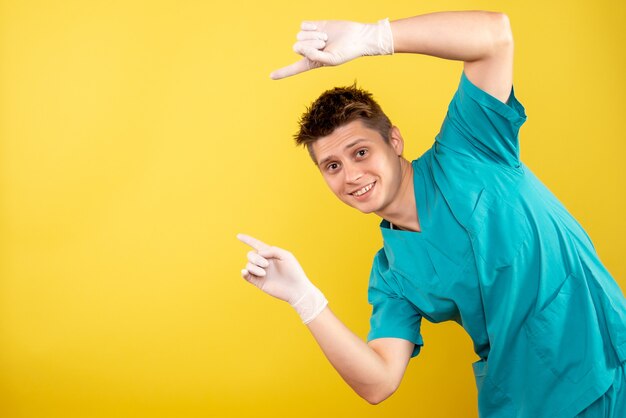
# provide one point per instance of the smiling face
(360, 167)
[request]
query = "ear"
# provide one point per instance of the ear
(396, 141)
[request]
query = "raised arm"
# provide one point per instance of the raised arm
(483, 40)
(373, 370)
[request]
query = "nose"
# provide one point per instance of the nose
(352, 172)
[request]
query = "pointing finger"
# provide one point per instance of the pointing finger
(253, 242)
(301, 66)
(274, 253)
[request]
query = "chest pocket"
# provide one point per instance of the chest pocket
(498, 230)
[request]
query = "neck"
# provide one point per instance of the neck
(402, 211)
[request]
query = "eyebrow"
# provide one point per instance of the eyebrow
(350, 145)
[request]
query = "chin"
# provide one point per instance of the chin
(364, 208)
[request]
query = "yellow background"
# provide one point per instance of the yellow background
(138, 137)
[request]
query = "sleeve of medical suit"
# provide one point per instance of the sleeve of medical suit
(482, 127)
(393, 316)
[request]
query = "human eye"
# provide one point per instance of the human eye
(362, 152)
(332, 167)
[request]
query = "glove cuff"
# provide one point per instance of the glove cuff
(310, 305)
(385, 37)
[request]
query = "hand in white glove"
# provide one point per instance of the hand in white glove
(333, 42)
(277, 272)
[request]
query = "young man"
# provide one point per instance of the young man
(470, 234)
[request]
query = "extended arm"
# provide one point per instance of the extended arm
(482, 40)
(373, 370)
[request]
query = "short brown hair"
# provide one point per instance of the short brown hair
(337, 107)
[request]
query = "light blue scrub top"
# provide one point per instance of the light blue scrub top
(500, 255)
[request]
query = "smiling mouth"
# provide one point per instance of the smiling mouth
(364, 190)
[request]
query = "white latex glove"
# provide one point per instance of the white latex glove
(277, 272)
(333, 42)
